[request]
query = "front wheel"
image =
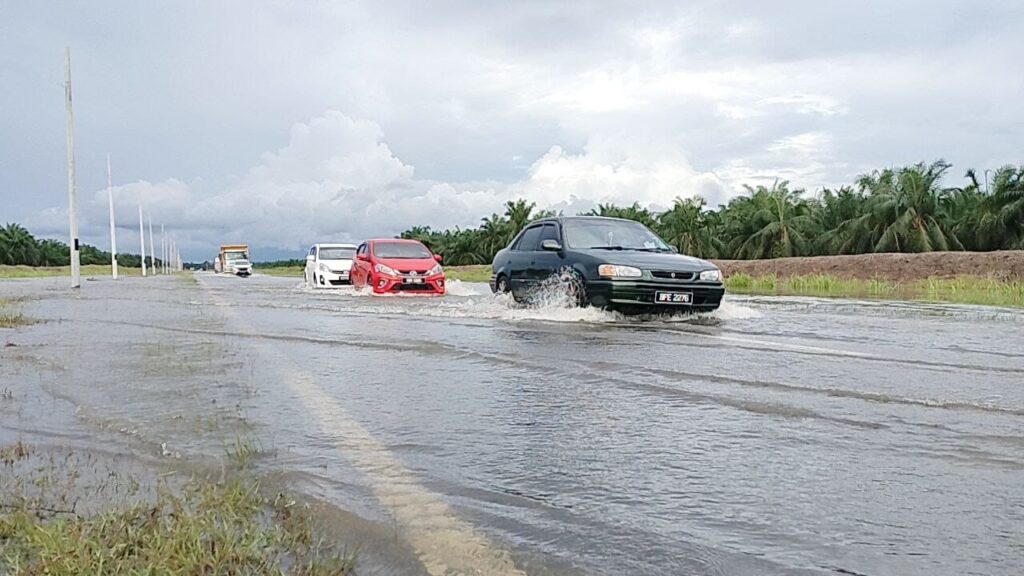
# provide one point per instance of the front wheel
(576, 288)
(501, 285)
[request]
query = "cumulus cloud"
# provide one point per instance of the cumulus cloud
(452, 109)
(337, 179)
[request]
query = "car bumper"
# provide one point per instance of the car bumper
(332, 278)
(433, 286)
(641, 293)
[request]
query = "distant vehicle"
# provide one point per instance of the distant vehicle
(606, 263)
(329, 264)
(394, 266)
(233, 259)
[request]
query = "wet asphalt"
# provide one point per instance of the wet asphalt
(775, 436)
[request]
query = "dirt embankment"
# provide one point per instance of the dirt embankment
(1005, 265)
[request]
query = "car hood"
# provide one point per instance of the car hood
(409, 264)
(344, 264)
(652, 260)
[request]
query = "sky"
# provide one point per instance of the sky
(281, 123)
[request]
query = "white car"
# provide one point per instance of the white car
(329, 265)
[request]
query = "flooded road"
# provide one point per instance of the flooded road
(776, 436)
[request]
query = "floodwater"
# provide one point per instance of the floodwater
(775, 436)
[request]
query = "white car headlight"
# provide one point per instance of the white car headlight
(385, 270)
(711, 275)
(616, 271)
(435, 270)
(324, 268)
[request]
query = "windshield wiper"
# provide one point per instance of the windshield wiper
(653, 249)
(606, 248)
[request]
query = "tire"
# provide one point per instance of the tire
(501, 285)
(576, 287)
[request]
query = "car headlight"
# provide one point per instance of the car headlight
(616, 271)
(435, 270)
(386, 270)
(324, 268)
(711, 275)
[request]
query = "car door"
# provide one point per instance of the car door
(522, 258)
(546, 263)
(311, 265)
(359, 267)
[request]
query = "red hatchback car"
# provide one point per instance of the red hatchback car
(397, 266)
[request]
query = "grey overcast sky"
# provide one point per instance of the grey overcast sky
(283, 123)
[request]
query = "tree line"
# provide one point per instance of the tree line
(19, 247)
(901, 209)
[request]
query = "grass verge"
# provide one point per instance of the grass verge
(481, 273)
(212, 528)
(10, 318)
(7, 271)
(198, 527)
(960, 290)
(289, 271)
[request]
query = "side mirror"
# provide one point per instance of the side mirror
(550, 245)
(438, 258)
(364, 257)
(310, 258)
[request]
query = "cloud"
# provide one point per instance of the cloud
(337, 179)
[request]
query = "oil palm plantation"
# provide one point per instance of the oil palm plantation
(688, 227)
(905, 211)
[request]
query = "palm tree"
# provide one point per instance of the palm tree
(905, 211)
(1002, 214)
(518, 214)
(634, 212)
(18, 246)
(687, 227)
(780, 217)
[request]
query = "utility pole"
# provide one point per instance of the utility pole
(113, 228)
(163, 250)
(152, 253)
(142, 241)
(76, 265)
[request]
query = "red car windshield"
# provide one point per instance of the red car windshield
(401, 250)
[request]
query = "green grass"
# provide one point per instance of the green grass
(481, 273)
(212, 528)
(961, 290)
(7, 271)
(200, 526)
(290, 271)
(11, 318)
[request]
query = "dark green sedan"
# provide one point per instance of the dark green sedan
(607, 263)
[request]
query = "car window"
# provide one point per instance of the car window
(549, 232)
(530, 240)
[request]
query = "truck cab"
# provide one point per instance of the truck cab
(234, 259)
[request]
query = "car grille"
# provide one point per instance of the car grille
(672, 275)
(415, 287)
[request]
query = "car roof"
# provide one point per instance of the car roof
(335, 245)
(394, 240)
(591, 218)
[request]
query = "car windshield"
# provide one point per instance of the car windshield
(612, 234)
(337, 253)
(401, 250)
(235, 256)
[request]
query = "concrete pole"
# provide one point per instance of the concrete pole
(113, 227)
(163, 250)
(152, 247)
(76, 265)
(142, 242)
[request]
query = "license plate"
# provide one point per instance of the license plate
(414, 280)
(673, 298)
